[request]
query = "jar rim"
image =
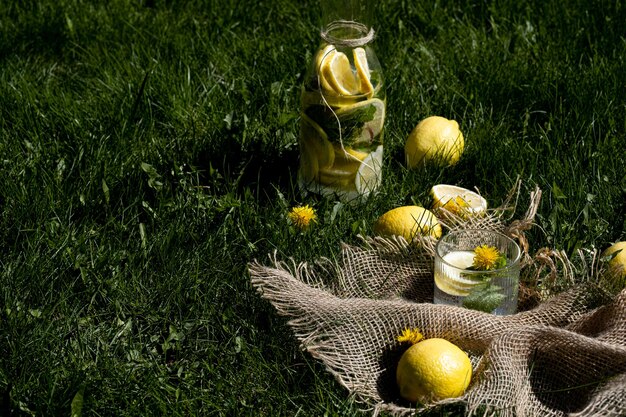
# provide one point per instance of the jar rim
(367, 34)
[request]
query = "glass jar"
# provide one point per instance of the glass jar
(342, 115)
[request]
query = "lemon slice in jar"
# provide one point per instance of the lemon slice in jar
(336, 72)
(349, 154)
(363, 72)
(309, 166)
(322, 56)
(315, 141)
(340, 176)
(369, 175)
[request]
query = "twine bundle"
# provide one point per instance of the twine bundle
(564, 357)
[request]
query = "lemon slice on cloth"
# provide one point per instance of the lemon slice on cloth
(336, 73)
(363, 71)
(457, 200)
(369, 175)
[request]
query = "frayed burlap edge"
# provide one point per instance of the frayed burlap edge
(347, 314)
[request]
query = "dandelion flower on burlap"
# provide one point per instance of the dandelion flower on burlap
(486, 257)
(410, 335)
(302, 216)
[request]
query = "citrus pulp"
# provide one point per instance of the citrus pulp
(457, 200)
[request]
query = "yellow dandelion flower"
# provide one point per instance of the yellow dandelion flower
(410, 335)
(302, 216)
(486, 257)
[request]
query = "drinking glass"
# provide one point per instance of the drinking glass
(459, 283)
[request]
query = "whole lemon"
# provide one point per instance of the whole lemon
(408, 221)
(619, 261)
(434, 138)
(432, 370)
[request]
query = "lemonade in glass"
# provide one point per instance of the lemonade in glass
(477, 269)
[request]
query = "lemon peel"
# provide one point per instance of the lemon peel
(433, 369)
(408, 222)
(363, 72)
(434, 139)
(616, 255)
(336, 74)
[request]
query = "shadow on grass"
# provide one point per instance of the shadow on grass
(259, 167)
(386, 384)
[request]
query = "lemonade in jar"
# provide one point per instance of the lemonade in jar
(342, 115)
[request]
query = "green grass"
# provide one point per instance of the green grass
(148, 152)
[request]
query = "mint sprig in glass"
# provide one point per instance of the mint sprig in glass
(487, 295)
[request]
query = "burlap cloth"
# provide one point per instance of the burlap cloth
(566, 356)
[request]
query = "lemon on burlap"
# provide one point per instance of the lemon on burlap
(457, 200)
(433, 369)
(434, 139)
(408, 222)
(617, 264)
